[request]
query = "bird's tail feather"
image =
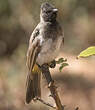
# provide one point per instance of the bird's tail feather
(33, 85)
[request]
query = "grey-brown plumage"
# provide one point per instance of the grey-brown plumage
(44, 46)
(33, 77)
(33, 88)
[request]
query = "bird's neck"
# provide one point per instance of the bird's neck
(43, 21)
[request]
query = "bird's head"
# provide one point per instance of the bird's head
(48, 12)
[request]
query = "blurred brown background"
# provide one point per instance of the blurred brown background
(76, 83)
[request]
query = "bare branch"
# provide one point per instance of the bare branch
(52, 87)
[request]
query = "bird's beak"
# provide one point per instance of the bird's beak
(55, 10)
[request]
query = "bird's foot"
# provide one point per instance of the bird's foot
(52, 64)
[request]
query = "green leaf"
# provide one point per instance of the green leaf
(62, 66)
(61, 60)
(87, 52)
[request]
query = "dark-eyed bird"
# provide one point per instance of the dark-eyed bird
(44, 46)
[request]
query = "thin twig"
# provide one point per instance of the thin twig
(42, 101)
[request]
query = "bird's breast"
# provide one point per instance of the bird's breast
(49, 50)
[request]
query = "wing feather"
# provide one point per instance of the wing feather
(33, 51)
(32, 54)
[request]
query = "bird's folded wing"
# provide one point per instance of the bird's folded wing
(33, 51)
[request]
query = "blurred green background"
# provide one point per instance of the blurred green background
(76, 84)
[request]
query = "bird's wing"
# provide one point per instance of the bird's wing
(33, 50)
(33, 76)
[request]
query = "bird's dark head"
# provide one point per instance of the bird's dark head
(48, 12)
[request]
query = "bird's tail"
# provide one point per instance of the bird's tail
(33, 89)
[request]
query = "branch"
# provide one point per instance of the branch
(52, 87)
(42, 101)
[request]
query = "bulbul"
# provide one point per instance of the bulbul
(44, 46)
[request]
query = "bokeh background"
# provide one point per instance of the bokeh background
(76, 83)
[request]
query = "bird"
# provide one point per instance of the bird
(44, 46)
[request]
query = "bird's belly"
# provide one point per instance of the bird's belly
(46, 57)
(49, 51)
